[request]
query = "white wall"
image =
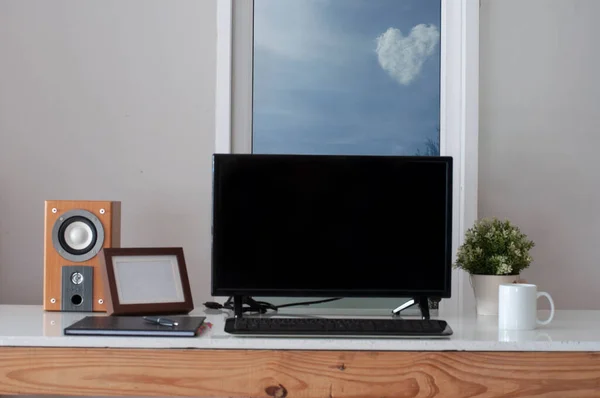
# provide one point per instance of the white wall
(110, 99)
(539, 137)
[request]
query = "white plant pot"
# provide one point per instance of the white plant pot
(486, 288)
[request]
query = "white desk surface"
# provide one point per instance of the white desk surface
(30, 326)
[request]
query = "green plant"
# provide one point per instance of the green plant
(494, 247)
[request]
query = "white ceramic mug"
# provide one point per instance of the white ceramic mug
(517, 306)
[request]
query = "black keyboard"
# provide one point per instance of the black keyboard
(337, 327)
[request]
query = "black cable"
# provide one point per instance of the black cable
(309, 302)
(251, 305)
(248, 305)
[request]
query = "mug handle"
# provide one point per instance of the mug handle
(547, 321)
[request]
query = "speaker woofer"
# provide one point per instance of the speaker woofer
(78, 235)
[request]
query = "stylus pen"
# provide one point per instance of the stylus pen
(160, 321)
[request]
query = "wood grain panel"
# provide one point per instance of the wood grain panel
(245, 373)
(111, 221)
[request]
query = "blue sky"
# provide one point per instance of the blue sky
(346, 76)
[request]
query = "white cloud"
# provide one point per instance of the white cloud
(402, 57)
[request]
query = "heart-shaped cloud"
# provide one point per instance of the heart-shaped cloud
(402, 57)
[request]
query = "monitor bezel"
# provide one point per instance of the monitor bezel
(353, 293)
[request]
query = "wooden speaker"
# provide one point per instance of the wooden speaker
(75, 232)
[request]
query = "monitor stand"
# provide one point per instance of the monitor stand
(238, 302)
(423, 303)
(253, 305)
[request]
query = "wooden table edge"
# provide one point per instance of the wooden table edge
(295, 373)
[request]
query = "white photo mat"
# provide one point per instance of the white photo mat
(147, 279)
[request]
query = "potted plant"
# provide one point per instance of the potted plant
(493, 252)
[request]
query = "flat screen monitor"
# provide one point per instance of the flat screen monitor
(331, 225)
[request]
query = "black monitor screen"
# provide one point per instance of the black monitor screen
(321, 225)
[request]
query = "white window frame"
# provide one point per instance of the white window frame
(459, 112)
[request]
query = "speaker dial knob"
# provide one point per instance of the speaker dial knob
(77, 278)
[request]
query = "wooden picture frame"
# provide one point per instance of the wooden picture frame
(146, 281)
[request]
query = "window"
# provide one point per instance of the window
(346, 77)
(354, 76)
